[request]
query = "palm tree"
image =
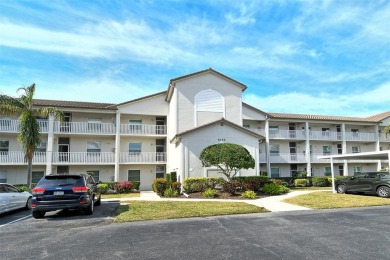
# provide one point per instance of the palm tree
(29, 131)
(386, 130)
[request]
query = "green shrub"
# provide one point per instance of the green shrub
(280, 182)
(249, 194)
(103, 188)
(173, 176)
(201, 184)
(159, 186)
(320, 181)
(209, 193)
(22, 187)
(123, 187)
(170, 193)
(136, 185)
(274, 189)
(176, 186)
(300, 182)
(264, 174)
(251, 182)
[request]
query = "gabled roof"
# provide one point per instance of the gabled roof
(73, 104)
(255, 109)
(322, 118)
(141, 98)
(380, 117)
(222, 122)
(173, 81)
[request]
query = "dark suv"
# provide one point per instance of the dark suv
(368, 182)
(65, 191)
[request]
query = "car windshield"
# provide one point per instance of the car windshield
(61, 181)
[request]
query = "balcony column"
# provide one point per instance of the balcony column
(267, 146)
(377, 146)
(49, 147)
(344, 146)
(117, 145)
(308, 155)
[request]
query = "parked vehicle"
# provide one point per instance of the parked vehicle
(369, 182)
(64, 191)
(12, 198)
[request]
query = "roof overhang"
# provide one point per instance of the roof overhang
(381, 155)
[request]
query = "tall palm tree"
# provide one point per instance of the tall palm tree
(29, 131)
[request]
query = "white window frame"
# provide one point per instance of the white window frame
(135, 151)
(355, 149)
(91, 150)
(357, 169)
(128, 171)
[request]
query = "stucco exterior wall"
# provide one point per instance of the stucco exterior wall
(156, 106)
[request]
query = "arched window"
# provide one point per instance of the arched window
(209, 101)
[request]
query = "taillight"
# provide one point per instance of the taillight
(80, 189)
(38, 191)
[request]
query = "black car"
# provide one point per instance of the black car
(65, 191)
(368, 182)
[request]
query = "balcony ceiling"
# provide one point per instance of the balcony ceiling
(382, 155)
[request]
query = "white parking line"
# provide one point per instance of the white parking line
(15, 221)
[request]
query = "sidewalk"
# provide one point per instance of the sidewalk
(272, 203)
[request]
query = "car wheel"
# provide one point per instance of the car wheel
(341, 188)
(28, 203)
(38, 214)
(89, 210)
(99, 201)
(383, 191)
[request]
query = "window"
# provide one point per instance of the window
(160, 171)
(37, 176)
(357, 170)
(135, 125)
(93, 147)
(209, 100)
(94, 124)
(3, 176)
(355, 149)
(355, 132)
(135, 147)
(326, 149)
(328, 171)
(4, 146)
(339, 148)
(274, 149)
(275, 173)
(341, 170)
(41, 148)
(325, 131)
(273, 129)
(94, 174)
(133, 175)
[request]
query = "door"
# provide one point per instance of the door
(65, 125)
(160, 125)
(63, 149)
(293, 151)
(160, 150)
(292, 130)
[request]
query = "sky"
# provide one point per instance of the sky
(299, 57)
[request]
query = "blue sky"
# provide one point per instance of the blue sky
(311, 57)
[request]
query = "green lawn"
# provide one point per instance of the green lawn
(329, 200)
(154, 210)
(310, 188)
(125, 195)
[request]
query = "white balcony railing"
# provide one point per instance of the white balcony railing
(143, 129)
(287, 158)
(358, 136)
(145, 157)
(12, 125)
(326, 135)
(84, 158)
(84, 128)
(287, 134)
(18, 158)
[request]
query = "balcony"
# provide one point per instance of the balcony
(145, 157)
(18, 158)
(358, 136)
(287, 158)
(143, 130)
(12, 126)
(326, 135)
(84, 128)
(83, 158)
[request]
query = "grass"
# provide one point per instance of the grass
(155, 210)
(310, 188)
(328, 200)
(124, 195)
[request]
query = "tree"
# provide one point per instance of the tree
(29, 131)
(386, 130)
(229, 158)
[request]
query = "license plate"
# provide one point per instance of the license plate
(60, 193)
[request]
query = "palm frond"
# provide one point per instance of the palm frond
(51, 111)
(10, 106)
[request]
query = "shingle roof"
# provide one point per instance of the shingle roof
(324, 117)
(73, 104)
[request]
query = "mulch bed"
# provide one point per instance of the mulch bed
(222, 195)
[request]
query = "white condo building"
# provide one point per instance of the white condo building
(142, 139)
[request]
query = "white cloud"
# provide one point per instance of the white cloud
(359, 104)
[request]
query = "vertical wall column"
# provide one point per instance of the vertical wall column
(49, 147)
(344, 146)
(377, 146)
(308, 154)
(117, 145)
(267, 146)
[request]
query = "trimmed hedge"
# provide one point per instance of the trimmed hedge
(159, 186)
(274, 189)
(253, 183)
(320, 181)
(201, 184)
(300, 182)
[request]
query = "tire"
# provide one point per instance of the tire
(38, 214)
(99, 201)
(341, 188)
(383, 191)
(89, 209)
(28, 204)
